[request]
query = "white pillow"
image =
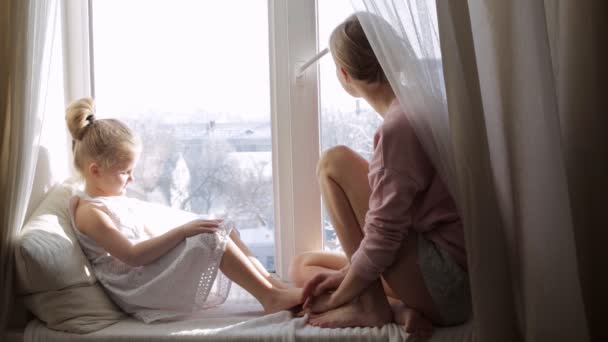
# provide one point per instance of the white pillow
(53, 273)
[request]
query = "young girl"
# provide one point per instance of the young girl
(397, 224)
(153, 277)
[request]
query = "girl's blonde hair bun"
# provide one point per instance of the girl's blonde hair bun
(80, 115)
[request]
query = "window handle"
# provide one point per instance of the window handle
(300, 71)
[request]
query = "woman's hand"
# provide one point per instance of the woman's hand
(199, 226)
(320, 285)
(347, 285)
(323, 282)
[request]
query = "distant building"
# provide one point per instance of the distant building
(261, 242)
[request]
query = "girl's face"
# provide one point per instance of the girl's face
(113, 181)
(346, 81)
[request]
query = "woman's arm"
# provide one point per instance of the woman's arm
(96, 224)
(344, 283)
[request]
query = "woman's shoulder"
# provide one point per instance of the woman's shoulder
(397, 144)
(396, 126)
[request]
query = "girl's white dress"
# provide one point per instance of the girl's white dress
(183, 281)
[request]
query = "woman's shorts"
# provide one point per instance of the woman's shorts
(446, 281)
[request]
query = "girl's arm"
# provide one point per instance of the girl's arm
(96, 224)
(149, 231)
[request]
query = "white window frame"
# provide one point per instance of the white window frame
(294, 114)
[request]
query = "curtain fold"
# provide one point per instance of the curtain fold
(523, 148)
(577, 32)
(26, 31)
(494, 308)
(521, 109)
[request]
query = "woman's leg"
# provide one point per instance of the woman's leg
(237, 266)
(255, 262)
(305, 266)
(345, 190)
(342, 176)
(405, 278)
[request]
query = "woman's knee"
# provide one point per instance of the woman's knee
(297, 265)
(334, 159)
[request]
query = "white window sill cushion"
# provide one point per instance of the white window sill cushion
(240, 318)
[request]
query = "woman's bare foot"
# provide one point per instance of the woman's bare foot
(353, 314)
(281, 299)
(318, 304)
(413, 322)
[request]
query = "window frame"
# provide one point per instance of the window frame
(293, 39)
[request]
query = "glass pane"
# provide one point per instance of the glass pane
(344, 120)
(192, 78)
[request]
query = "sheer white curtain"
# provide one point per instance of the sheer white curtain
(523, 149)
(26, 42)
(404, 36)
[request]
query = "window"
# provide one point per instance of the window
(211, 88)
(344, 119)
(192, 78)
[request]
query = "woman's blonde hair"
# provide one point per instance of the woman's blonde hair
(106, 141)
(351, 49)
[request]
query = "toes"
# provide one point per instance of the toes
(316, 322)
(319, 321)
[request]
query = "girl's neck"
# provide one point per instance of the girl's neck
(379, 97)
(93, 191)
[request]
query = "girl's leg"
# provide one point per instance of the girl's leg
(255, 262)
(344, 186)
(237, 266)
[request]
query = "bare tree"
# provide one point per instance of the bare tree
(212, 171)
(250, 196)
(155, 156)
(352, 129)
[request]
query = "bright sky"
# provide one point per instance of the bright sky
(183, 56)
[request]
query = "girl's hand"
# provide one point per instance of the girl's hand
(199, 226)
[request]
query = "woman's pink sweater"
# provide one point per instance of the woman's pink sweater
(407, 195)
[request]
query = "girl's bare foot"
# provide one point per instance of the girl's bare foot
(413, 322)
(277, 283)
(353, 314)
(281, 299)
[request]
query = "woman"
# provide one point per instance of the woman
(396, 221)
